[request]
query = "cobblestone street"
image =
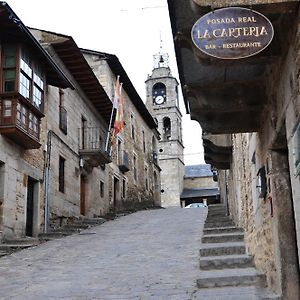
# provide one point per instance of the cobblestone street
(146, 255)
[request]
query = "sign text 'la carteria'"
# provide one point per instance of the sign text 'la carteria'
(232, 33)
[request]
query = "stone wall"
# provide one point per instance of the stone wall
(200, 182)
(270, 231)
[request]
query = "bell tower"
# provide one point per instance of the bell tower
(163, 104)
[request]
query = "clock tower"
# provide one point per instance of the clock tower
(163, 104)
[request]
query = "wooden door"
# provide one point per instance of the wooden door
(82, 195)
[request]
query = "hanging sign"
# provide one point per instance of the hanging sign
(232, 33)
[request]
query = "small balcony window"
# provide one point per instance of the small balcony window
(7, 108)
(9, 77)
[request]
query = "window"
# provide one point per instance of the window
(83, 132)
(124, 188)
(24, 88)
(9, 67)
(31, 85)
(61, 175)
(101, 189)
(135, 168)
(119, 158)
(132, 122)
(63, 120)
(146, 178)
(144, 141)
(38, 87)
(25, 75)
(7, 108)
(33, 124)
(166, 128)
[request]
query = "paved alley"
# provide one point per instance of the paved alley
(148, 255)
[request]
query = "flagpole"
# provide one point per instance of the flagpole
(112, 113)
(109, 128)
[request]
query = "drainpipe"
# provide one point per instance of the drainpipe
(47, 182)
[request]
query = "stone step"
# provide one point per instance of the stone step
(3, 253)
(226, 229)
(93, 221)
(55, 235)
(12, 247)
(218, 224)
(225, 262)
(235, 293)
(222, 249)
(30, 241)
(217, 219)
(75, 226)
(219, 212)
(231, 277)
(216, 206)
(212, 209)
(223, 237)
(67, 231)
(215, 215)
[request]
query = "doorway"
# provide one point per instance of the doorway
(30, 207)
(82, 194)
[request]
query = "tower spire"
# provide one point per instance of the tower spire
(161, 59)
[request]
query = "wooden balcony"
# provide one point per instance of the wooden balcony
(124, 161)
(92, 147)
(20, 121)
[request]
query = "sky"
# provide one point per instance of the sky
(131, 29)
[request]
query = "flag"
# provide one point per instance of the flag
(119, 118)
(111, 131)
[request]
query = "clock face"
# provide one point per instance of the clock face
(159, 100)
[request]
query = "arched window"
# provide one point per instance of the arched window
(166, 128)
(159, 93)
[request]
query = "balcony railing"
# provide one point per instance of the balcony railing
(92, 146)
(123, 161)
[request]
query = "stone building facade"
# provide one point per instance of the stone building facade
(163, 104)
(76, 128)
(250, 120)
(134, 171)
(27, 70)
(55, 163)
